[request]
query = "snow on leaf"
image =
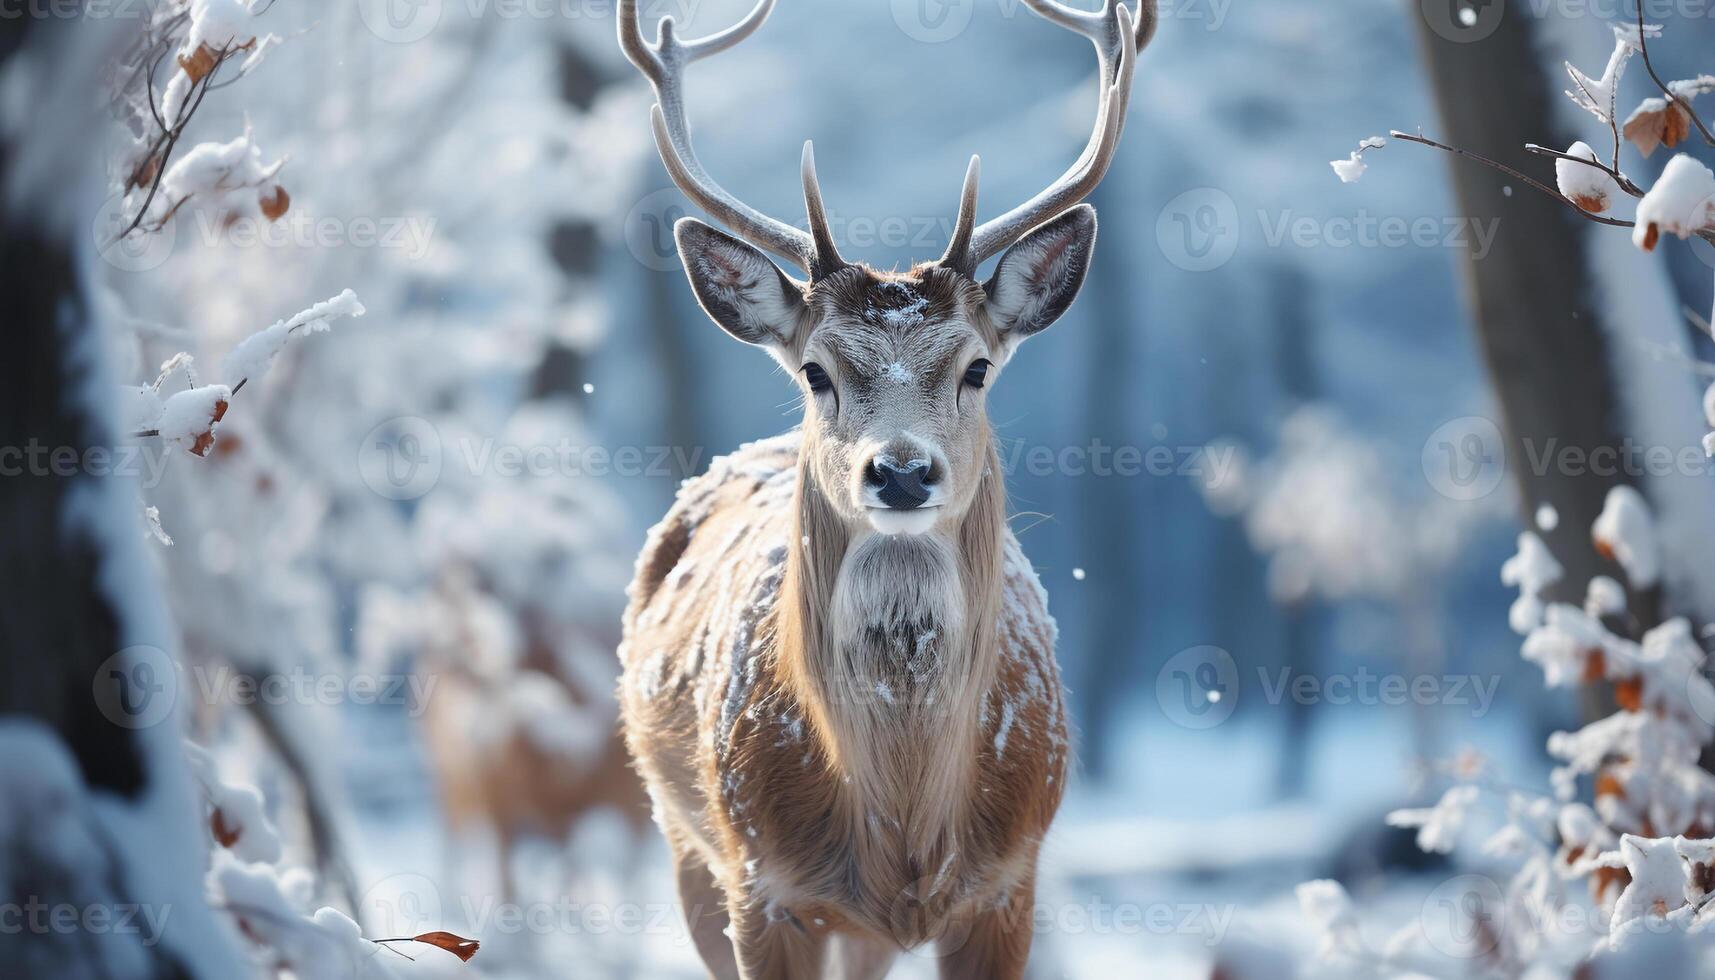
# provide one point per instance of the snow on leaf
(1325, 903)
(1604, 597)
(1532, 570)
(1656, 122)
(1625, 532)
(1699, 858)
(230, 177)
(189, 418)
(1681, 203)
(1658, 882)
(1589, 187)
(1570, 646)
(1438, 826)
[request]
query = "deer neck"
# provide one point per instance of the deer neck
(891, 644)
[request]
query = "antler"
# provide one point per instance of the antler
(1117, 38)
(663, 63)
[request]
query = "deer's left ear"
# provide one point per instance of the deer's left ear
(1040, 275)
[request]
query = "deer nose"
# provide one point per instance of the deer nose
(901, 486)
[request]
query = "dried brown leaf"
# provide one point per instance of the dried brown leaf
(201, 61)
(1657, 122)
(459, 946)
(274, 202)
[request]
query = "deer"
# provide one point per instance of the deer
(838, 672)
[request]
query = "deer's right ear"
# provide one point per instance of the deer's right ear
(740, 288)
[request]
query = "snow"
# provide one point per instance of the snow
(1007, 713)
(1547, 518)
(1349, 169)
(461, 339)
(1596, 95)
(1626, 532)
(1591, 188)
(190, 416)
(226, 177)
(140, 407)
(1532, 570)
(1604, 597)
(1657, 884)
(48, 835)
(1681, 202)
(1438, 827)
(219, 23)
(1564, 643)
(251, 357)
(1353, 167)
(1330, 912)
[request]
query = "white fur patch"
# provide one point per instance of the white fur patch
(888, 521)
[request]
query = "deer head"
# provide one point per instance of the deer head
(895, 366)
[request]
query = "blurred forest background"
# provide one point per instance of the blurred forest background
(453, 487)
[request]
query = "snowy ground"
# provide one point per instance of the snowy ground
(1136, 875)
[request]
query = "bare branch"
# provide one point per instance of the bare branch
(1516, 175)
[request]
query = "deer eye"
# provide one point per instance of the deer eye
(817, 378)
(977, 373)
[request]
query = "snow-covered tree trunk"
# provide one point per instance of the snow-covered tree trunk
(102, 844)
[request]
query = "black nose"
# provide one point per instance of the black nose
(900, 487)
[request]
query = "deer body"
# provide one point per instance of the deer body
(839, 678)
(892, 783)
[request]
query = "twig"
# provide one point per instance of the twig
(1674, 97)
(1503, 168)
(151, 433)
(383, 944)
(1698, 322)
(171, 137)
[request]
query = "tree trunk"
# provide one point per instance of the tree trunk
(97, 815)
(1537, 326)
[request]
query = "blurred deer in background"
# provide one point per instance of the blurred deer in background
(839, 678)
(522, 744)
